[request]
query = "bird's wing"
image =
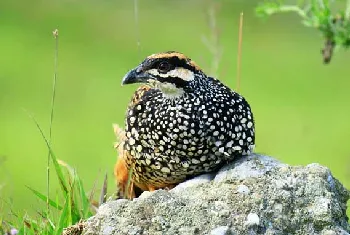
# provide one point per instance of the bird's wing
(219, 125)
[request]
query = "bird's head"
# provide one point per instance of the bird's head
(171, 72)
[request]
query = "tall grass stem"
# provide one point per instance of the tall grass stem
(239, 54)
(137, 29)
(55, 35)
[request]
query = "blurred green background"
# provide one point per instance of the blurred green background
(301, 107)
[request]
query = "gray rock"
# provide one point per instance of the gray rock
(205, 178)
(243, 189)
(222, 230)
(253, 165)
(282, 199)
(252, 220)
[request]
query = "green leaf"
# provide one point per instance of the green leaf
(267, 9)
(69, 217)
(83, 199)
(44, 198)
(58, 169)
(81, 203)
(347, 10)
(308, 22)
(65, 218)
(75, 202)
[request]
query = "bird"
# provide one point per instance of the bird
(180, 123)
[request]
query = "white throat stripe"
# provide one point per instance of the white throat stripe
(182, 73)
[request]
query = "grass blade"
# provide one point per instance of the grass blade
(79, 194)
(55, 34)
(103, 195)
(44, 198)
(84, 199)
(58, 169)
(66, 216)
(239, 54)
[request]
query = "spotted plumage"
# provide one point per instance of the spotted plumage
(181, 123)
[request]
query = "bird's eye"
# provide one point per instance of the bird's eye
(163, 67)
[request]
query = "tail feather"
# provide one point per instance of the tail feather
(121, 172)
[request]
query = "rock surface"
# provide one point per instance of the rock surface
(253, 195)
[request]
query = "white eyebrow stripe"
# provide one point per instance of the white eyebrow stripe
(182, 73)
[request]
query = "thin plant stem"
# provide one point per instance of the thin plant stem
(137, 29)
(103, 196)
(288, 8)
(55, 35)
(239, 53)
(213, 41)
(347, 10)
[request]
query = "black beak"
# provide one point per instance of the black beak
(135, 76)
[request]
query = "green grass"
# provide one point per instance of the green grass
(76, 205)
(300, 105)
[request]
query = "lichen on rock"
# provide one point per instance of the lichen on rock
(253, 195)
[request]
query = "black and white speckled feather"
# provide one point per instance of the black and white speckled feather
(183, 123)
